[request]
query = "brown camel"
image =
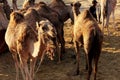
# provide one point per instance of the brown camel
(46, 12)
(87, 33)
(3, 45)
(3, 27)
(28, 3)
(14, 5)
(26, 43)
(3, 18)
(65, 11)
(6, 8)
(107, 8)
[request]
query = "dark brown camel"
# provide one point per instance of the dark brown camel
(87, 33)
(65, 11)
(3, 27)
(14, 5)
(6, 8)
(3, 18)
(26, 43)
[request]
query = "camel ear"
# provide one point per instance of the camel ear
(37, 25)
(1, 4)
(79, 4)
(18, 17)
(71, 4)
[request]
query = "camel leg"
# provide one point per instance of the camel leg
(107, 24)
(89, 57)
(113, 16)
(76, 44)
(56, 44)
(27, 73)
(32, 67)
(89, 66)
(62, 42)
(103, 26)
(102, 18)
(14, 3)
(89, 53)
(96, 58)
(97, 52)
(24, 68)
(21, 67)
(16, 65)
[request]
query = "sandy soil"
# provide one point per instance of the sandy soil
(108, 67)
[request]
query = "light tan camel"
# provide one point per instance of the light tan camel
(87, 33)
(107, 7)
(26, 43)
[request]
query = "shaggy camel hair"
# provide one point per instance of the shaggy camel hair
(26, 44)
(31, 17)
(6, 8)
(107, 7)
(87, 33)
(46, 12)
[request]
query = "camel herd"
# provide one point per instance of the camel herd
(28, 32)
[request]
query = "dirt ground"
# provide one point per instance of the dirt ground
(108, 67)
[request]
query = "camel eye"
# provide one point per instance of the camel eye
(45, 28)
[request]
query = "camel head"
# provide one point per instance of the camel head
(46, 32)
(2, 1)
(75, 7)
(28, 3)
(16, 16)
(46, 28)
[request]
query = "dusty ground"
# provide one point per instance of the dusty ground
(108, 67)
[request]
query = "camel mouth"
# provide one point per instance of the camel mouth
(52, 34)
(50, 53)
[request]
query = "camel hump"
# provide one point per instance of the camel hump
(17, 17)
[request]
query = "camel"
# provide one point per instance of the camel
(46, 12)
(28, 3)
(26, 43)
(107, 7)
(3, 45)
(14, 5)
(65, 11)
(6, 8)
(78, 5)
(88, 34)
(3, 27)
(3, 18)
